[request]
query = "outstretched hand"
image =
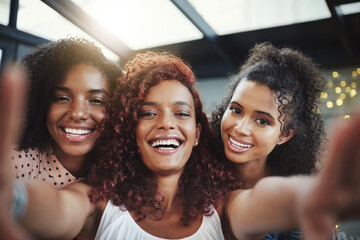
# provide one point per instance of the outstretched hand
(12, 95)
(336, 196)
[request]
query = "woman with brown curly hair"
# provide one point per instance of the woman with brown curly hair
(269, 121)
(70, 81)
(157, 179)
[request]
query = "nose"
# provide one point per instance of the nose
(166, 121)
(243, 126)
(79, 110)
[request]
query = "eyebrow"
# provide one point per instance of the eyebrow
(257, 111)
(65, 89)
(175, 103)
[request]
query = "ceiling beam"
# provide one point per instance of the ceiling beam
(209, 34)
(14, 7)
(340, 2)
(7, 32)
(341, 27)
(77, 16)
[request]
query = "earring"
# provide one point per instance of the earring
(195, 144)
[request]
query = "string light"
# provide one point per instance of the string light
(329, 104)
(352, 93)
(345, 87)
(324, 95)
(330, 84)
(339, 102)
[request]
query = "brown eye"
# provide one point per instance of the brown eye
(61, 99)
(97, 101)
(147, 114)
(235, 110)
(183, 114)
(263, 121)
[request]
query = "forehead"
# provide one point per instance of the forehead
(169, 91)
(84, 76)
(256, 96)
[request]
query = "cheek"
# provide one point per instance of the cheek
(140, 132)
(98, 115)
(191, 130)
(269, 137)
(53, 115)
(225, 123)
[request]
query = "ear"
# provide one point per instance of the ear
(197, 134)
(286, 136)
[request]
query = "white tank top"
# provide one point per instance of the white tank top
(117, 224)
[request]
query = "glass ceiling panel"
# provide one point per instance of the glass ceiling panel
(4, 11)
(0, 56)
(35, 17)
(350, 8)
(231, 16)
(142, 24)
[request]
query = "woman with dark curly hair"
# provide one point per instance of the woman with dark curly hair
(158, 177)
(163, 173)
(70, 81)
(269, 121)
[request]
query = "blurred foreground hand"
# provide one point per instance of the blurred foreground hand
(13, 88)
(336, 196)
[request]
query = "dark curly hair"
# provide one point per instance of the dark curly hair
(46, 66)
(121, 176)
(298, 82)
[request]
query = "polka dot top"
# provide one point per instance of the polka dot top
(35, 164)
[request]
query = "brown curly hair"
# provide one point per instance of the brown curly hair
(46, 66)
(298, 82)
(121, 176)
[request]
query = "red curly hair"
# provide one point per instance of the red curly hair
(121, 176)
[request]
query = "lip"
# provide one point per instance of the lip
(235, 148)
(166, 150)
(76, 137)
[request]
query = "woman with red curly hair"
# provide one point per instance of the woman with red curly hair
(158, 176)
(129, 179)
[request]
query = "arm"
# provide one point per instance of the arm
(50, 213)
(313, 203)
(270, 206)
(56, 214)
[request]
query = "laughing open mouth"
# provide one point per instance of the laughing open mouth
(77, 132)
(240, 145)
(165, 144)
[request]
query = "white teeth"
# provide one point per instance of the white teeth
(240, 145)
(173, 142)
(73, 131)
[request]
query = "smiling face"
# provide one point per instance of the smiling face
(166, 129)
(250, 127)
(76, 109)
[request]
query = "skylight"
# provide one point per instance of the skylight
(142, 24)
(232, 16)
(350, 8)
(37, 18)
(4, 11)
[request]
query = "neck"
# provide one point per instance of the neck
(74, 164)
(251, 172)
(168, 187)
